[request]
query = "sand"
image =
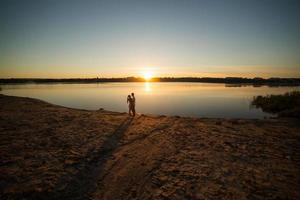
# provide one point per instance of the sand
(53, 152)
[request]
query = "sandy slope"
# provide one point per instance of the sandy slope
(53, 152)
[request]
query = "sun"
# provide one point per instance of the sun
(147, 75)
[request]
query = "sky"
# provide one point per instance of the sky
(110, 38)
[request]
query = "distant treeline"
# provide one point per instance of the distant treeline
(237, 81)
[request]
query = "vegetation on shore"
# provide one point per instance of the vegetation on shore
(284, 105)
(227, 80)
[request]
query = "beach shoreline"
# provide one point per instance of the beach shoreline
(50, 152)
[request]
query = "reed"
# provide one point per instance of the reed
(284, 105)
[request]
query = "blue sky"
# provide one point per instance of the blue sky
(170, 38)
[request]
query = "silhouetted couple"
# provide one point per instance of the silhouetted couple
(131, 104)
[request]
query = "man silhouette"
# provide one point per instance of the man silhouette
(133, 104)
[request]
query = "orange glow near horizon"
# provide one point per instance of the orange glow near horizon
(148, 73)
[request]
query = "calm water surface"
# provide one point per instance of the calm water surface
(184, 99)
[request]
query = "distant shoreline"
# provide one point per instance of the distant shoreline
(227, 80)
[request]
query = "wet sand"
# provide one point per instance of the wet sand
(53, 152)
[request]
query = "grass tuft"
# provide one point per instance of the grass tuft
(284, 105)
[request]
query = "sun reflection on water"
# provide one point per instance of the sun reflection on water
(147, 87)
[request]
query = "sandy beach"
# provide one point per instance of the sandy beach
(53, 152)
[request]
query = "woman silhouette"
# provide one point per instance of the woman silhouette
(130, 104)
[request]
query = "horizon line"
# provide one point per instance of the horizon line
(158, 77)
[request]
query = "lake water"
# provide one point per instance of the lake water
(184, 99)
